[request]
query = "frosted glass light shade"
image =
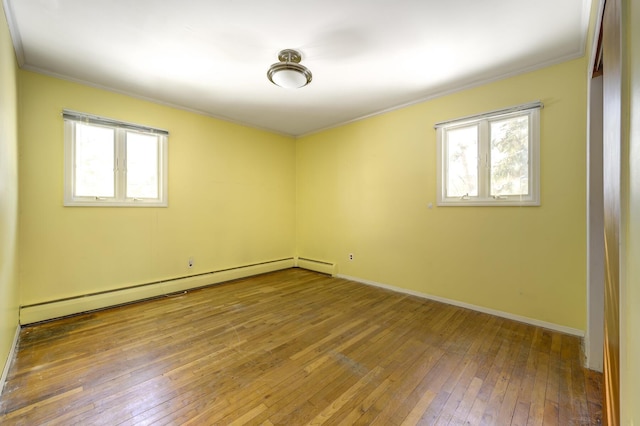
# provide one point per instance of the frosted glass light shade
(289, 79)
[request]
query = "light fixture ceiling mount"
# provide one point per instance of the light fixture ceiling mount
(288, 73)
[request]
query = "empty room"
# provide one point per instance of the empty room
(303, 212)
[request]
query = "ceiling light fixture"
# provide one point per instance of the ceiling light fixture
(288, 73)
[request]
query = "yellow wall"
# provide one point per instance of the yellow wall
(364, 189)
(231, 198)
(8, 193)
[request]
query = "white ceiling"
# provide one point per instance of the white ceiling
(366, 56)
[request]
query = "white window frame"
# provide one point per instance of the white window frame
(532, 110)
(71, 118)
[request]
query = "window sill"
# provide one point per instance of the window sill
(113, 204)
(488, 203)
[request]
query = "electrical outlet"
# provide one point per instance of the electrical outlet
(350, 256)
(190, 262)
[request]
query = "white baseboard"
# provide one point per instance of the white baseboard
(502, 314)
(7, 364)
(59, 308)
(316, 265)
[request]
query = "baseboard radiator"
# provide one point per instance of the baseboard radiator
(316, 265)
(48, 310)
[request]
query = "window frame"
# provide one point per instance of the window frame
(120, 199)
(483, 121)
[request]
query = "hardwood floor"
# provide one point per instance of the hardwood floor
(296, 347)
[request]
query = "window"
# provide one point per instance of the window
(112, 163)
(490, 159)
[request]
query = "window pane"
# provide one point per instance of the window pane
(142, 165)
(94, 161)
(510, 156)
(462, 162)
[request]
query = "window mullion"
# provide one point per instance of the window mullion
(484, 160)
(121, 165)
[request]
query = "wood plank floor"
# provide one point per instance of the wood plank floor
(296, 347)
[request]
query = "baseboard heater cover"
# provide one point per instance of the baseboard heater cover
(7, 364)
(316, 265)
(44, 311)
